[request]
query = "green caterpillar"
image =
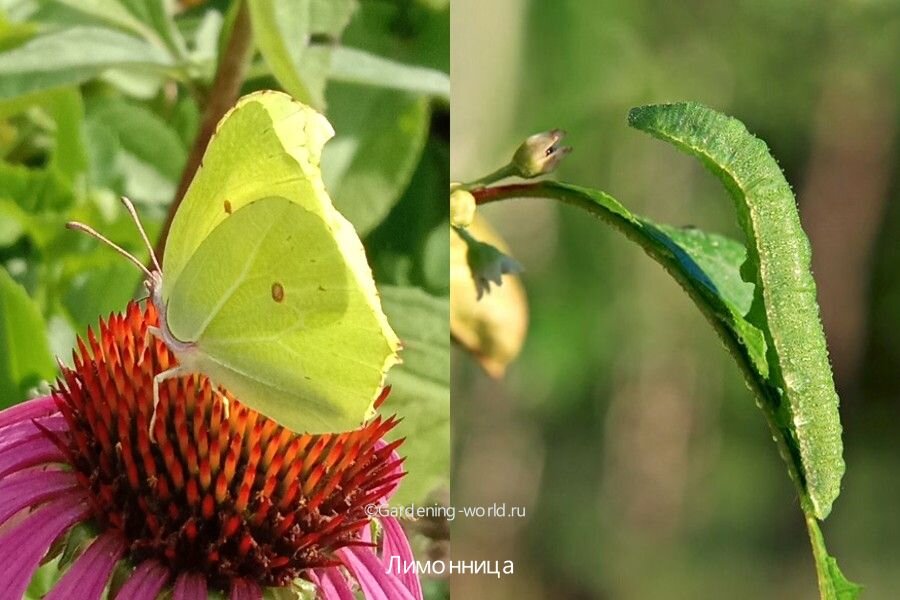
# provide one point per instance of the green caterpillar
(778, 263)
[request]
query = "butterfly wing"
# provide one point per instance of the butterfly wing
(267, 145)
(278, 315)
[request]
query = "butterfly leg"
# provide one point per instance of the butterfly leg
(226, 405)
(157, 380)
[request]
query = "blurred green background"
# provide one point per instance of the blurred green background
(624, 428)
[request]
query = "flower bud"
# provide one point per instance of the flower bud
(540, 154)
(462, 208)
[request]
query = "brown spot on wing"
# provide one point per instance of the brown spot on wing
(277, 292)
(228, 207)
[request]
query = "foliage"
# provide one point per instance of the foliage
(773, 331)
(109, 97)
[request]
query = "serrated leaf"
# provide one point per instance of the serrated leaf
(779, 264)
(369, 166)
(25, 358)
(421, 388)
(72, 56)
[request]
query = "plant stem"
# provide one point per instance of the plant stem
(222, 95)
(502, 173)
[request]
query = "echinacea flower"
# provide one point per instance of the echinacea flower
(234, 504)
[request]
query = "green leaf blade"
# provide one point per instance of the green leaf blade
(420, 388)
(779, 258)
(72, 56)
(25, 358)
(370, 164)
(352, 65)
(833, 585)
(283, 30)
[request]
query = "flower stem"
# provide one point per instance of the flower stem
(503, 172)
(222, 95)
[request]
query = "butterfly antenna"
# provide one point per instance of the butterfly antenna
(129, 206)
(93, 233)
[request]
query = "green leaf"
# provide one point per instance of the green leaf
(73, 56)
(113, 13)
(149, 154)
(67, 110)
(34, 190)
(369, 164)
(32, 203)
(832, 583)
(716, 286)
(156, 15)
(402, 248)
(25, 359)
(779, 265)
(720, 258)
(43, 580)
(14, 34)
(331, 17)
(103, 284)
(352, 65)
(421, 388)
(281, 29)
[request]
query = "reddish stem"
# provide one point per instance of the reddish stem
(499, 192)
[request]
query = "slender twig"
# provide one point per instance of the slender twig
(501, 173)
(499, 192)
(222, 96)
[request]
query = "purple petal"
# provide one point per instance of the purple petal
(331, 583)
(22, 547)
(373, 578)
(395, 543)
(32, 409)
(190, 586)
(26, 430)
(88, 576)
(145, 583)
(242, 589)
(30, 488)
(28, 451)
